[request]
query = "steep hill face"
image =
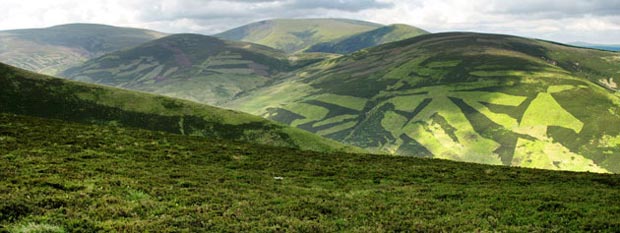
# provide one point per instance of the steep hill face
(26, 93)
(51, 50)
(368, 39)
(294, 35)
(481, 98)
(190, 66)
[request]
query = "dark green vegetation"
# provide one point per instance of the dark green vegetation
(295, 35)
(67, 177)
(191, 66)
(27, 93)
(368, 39)
(472, 97)
(52, 50)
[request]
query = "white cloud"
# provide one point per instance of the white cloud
(595, 21)
(33, 13)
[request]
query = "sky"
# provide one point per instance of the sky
(594, 21)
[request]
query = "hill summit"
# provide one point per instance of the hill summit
(295, 35)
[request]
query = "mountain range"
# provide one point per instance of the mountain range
(295, 124)
(472, 97)
(191, 66)
(460, 96)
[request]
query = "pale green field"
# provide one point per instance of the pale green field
(271, 97)
(549, 155)
(309, 111)
(545, 111)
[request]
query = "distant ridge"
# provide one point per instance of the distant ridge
(368, 39)
(191, 66)
(607, 47)
(53, 49)
(295, 35)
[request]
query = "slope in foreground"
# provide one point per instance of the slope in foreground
(90, 178)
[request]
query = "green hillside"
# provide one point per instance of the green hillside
(65, 177)
(190, 66)
(471, 97)
(368, 39)
(295, 35)
(52, 50)
(23, 92)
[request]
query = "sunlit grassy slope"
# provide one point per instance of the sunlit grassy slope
(23, 92)
(482, 98)
(66, 177)
(54, 49)
(367, 39)
(294, 35)
(190, 66)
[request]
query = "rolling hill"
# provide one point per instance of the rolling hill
(607, 47)
(54, 49)
(57, 176)
(191, 66)
(368, 39)
(296, 35)
(27, 93)
(481, 98)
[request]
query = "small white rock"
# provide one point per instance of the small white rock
(278, 178)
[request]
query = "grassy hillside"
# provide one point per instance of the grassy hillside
(481, 98)
(52, 50)
(27, 93)
(368, 39)
(294, 35)
(190, 66)
(67, 177)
